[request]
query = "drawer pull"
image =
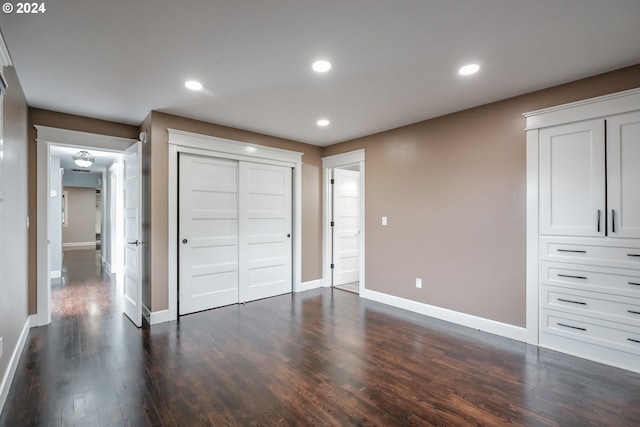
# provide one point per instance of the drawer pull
(633, 312)
(573, 327)
(598, 220)
(576, 251)
(573, 302)
(633, 255)
(634, 284)
(632, 340)
(613, 220)
(572, 277)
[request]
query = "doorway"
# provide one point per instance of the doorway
(56, 210)
(343, 219)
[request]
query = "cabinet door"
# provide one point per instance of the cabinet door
(572, 179)
(623, 175)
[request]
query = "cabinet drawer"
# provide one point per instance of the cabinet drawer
(596, 279)
(592, 304)
(606, 252)
(600, 332)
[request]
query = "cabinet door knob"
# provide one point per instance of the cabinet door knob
(184, 241)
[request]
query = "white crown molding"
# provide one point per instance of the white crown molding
(232, 148)
(601, 106)
(84, 139)
(5, 58)
(344, 159)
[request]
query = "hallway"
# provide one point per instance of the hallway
(85, 367)
(320, 357)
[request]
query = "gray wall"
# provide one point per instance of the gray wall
(13, 221)
(55, 216)
(81, 217)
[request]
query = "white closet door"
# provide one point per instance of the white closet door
(346, 230)
(208, 233)
(623, 175)
(265, 231)
(572, 179)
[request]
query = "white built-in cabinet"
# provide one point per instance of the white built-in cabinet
(583, 229)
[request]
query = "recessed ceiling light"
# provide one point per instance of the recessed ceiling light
(323, 122)
(469, 69)
(321, 66)
(193, 85)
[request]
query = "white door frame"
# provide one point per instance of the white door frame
(210, 146)
(46, 137)
(337, 161)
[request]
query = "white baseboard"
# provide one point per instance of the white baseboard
(307, 286)
(78, 245)
(56, 274)
(106, 265)
(13, 363)
(155, 317)
(468, 320)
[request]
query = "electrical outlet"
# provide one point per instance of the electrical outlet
(418, 282)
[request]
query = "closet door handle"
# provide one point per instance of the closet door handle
(613, 220)
(598, 220)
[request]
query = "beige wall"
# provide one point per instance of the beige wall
(63, 121)
(453, 189)
(81, 220)
(311, 196)
(13, 219)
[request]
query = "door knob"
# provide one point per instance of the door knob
(184, 241)
(288, 235)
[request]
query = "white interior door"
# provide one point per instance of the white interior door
(346, 229)
(265, 231)
(208, 229)
(132, 197)
(623, 175)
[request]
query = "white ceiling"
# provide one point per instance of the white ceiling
(394, 62)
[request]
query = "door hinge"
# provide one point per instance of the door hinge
(333, 223)
(332, 266)
(333, 181)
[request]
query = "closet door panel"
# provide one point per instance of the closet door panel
(208, 209)
(623, 175)
(265, 231)
(572, 179)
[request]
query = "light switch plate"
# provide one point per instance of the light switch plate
(384, 220)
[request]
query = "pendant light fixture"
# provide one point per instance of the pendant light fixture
(84, 159)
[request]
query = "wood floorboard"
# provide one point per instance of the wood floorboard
(322, 358)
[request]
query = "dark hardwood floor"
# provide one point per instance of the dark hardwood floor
(321, 357)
